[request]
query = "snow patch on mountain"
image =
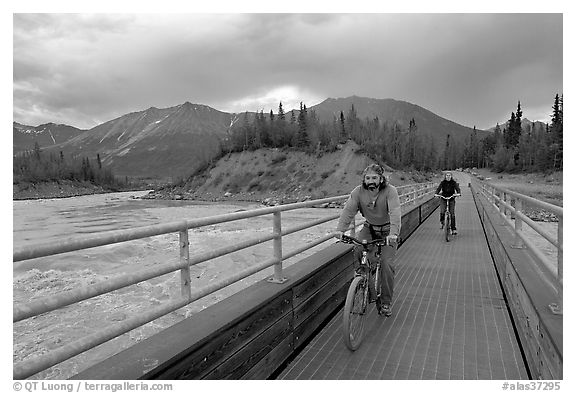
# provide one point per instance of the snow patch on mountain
(52, 136)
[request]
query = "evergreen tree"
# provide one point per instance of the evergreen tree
(446, 162)
(281, 114)
(509, 131)
(343, 133)
(280, 135)
(302, 138)
(512, 134)
(498, 135)
(352, 124)
(412, 141)
(556, 133)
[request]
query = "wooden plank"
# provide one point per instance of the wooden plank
(318, 298)
(221, 345)
(303, 331)
(272, 360)
(305, 289)
(241, 361)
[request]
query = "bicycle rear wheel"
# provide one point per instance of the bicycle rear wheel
(355, 313)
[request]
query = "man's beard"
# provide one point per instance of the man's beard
(371, 186)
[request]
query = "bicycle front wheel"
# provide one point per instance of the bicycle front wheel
(447, 226)
(355, 313)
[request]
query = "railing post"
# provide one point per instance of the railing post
(185, 281)
(518, 243)
(557, 308)
(277, 232)
(494, 194)
(503, 208)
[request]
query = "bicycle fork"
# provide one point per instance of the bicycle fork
(365, 274)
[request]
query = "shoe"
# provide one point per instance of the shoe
(454, 232)
(385, 310)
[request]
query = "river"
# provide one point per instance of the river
(51, 220)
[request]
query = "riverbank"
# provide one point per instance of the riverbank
(63, 189)
(59, 189)
(544, 187)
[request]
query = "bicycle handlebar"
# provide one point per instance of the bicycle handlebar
(450, 197)
(365, 243)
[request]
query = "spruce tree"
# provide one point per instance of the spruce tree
(302, 139)
(556, 133)
(343, 133)
(447, 152)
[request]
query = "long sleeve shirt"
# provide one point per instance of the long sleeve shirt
(381, 210)
(448, 188)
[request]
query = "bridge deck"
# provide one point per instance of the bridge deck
(449, 320)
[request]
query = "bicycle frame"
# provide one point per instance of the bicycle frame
(366, 269)
(355, 310)
(447, 216)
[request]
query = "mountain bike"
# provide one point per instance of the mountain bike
(366, 281)
(447, 216)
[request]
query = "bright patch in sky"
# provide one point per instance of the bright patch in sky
(290, 96)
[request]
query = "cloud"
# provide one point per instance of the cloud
(269, 99)
(466, 67)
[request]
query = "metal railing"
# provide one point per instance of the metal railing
(510, 206)
(29, 367)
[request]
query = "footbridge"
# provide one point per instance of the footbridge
(487, 305)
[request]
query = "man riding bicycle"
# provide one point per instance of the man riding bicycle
(379, 204)
(447, 188)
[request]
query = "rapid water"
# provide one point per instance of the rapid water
(52, 220)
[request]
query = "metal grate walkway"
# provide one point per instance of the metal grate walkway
(449, 316)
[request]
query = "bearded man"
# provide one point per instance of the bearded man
(379, 204)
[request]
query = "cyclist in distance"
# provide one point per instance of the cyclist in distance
(379, 204)
(447, 188)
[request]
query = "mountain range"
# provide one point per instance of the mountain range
(175, 142)
(25, 137)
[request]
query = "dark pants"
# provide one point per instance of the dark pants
(387, 264)
(451, 206)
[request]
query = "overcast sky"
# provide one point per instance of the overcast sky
(85, 69)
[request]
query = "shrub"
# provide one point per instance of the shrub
(278, 159)
(327, 173)
(254, 185)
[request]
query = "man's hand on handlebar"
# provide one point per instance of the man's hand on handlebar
(391, 239)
